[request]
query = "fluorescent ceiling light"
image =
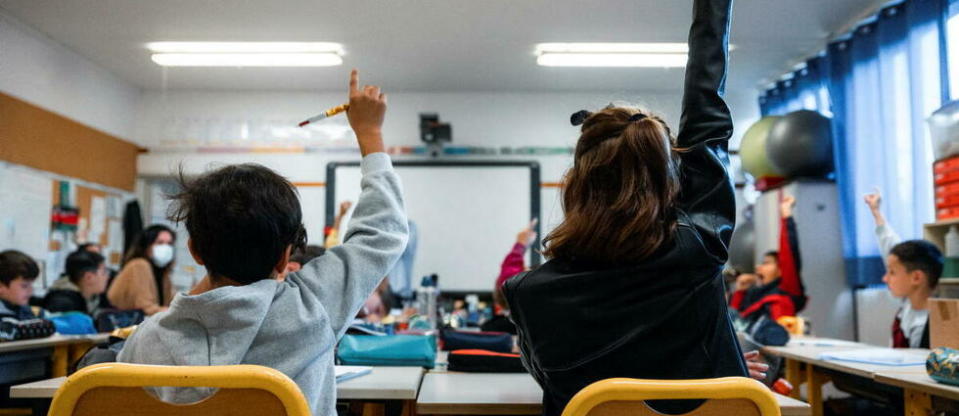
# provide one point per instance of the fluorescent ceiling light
(247, 59)
(240, 54)
(605, 54)
(245, 47)
(642, 60)
(582, 47)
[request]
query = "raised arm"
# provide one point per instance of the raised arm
(886, 235)
(705, 127)
(343, 277)
(705, 116)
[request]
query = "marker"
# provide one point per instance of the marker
(326, 114)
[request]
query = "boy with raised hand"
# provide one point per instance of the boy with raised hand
(913, 269)
(243, 221)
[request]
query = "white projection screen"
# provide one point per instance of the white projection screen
(467, 214)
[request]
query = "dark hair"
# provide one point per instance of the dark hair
(14, 264)
(241, 219)
(81, 261)
(772, 253)
(619, 197)
(141, 244)
(86, 246)
(305, 254)
(138, 250)
(920, 255)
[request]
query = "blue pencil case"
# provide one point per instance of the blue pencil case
(388, 350)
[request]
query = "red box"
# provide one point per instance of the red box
(946, 165)
(946, 177)
(947, 190)
(949, 201)
(947, 213)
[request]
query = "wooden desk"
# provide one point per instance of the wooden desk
(507, 394)
(918, 389)
(66, 348)
(803, 365)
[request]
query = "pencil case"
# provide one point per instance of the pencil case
(388, 350)
(483, 361)
(466, 340)
(943, 365)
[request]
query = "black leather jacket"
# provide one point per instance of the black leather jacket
(664, 318)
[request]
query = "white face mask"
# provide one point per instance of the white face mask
(162, 255)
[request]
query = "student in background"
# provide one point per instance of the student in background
(333, 233)
(144, 282)
(779, 290)
(633, 286)
(83, 287)
(17, 274)
(913, 269)
(513, 264)
(243, 222)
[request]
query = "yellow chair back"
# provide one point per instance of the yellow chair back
(118, 389)
(724, 396)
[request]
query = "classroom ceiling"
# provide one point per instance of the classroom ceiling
(438, 45)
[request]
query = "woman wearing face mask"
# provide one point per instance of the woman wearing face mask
(144, 281)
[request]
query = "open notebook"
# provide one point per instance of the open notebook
(347, 372)
(877, 356)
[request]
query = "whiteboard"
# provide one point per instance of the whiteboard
(26, 200)
(467, 218)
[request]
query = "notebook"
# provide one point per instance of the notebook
(348, 372)
(876, 356)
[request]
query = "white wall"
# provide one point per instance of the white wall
(45, 73)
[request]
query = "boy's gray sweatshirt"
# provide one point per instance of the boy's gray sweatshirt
(291, 326)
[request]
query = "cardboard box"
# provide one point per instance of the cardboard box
(943, 323)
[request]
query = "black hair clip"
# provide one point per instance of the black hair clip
(637, 117)
(579, 117)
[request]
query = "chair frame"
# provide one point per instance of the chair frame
(141, 375)
(636, 390)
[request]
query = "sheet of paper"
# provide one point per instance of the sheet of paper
(877, 356)
(98, 219)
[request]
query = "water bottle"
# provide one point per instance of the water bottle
(952, 242)
(426, 299)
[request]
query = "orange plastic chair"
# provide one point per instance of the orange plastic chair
(118, 389)
(626, 396)
(793, 324)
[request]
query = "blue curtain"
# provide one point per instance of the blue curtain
(878, 84)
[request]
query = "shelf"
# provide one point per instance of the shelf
(943, 223)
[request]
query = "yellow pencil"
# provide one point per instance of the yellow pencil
(326, 114)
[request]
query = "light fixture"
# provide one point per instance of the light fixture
(622, 47)
(642, 60)
(643, 55)
(240, 54)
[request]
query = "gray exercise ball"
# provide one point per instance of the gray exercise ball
(800, 145)
(742, 247)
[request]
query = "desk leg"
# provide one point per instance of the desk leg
(815, 381)
(793, 376)
(77, 351)
(374, 409)
(409, 408)
(917, 403)
(60, 360)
